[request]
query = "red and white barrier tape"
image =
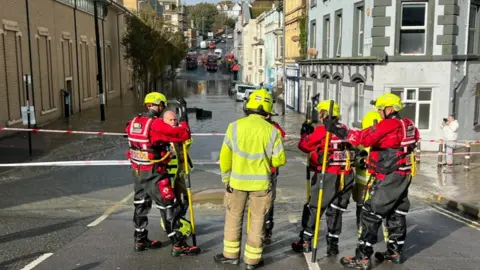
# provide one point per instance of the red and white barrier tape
(204, 134)
(127, 162)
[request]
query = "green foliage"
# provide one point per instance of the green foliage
(149, 47)
(203, 15)
(221, 21)
(303, 35)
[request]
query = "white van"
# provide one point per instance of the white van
(218, 53)
(242, 90)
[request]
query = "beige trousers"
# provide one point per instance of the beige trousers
(235, 202)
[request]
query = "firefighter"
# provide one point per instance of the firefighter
(149, 139)
(274, 174)
(362, 176)
(235, 69)
(250, 148)
(175, 167)
(336, 194)
(392, 142)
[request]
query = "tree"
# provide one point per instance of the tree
(203, 15)
(221, 21)
(149, 47)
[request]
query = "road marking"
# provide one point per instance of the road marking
(311, 266)
(37, 261)
(469, 223)
(110, 210)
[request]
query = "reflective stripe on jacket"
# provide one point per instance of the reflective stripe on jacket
(250, 148)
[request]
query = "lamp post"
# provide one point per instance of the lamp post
(99, 59)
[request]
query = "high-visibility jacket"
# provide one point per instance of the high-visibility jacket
(361, 173)
(177, 149)
(250, 148)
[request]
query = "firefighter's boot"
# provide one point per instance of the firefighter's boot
(219, 258)
(302, 246)
(359, 261)
(142, 242)
(182, 249)
(332, 246)
(389, 255)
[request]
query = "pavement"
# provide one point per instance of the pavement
(80, 217)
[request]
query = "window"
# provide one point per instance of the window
(413, 28)
(360, 101)
(168, 17)
(167, 7)
(338, 92)
(260, 57)
(338, 34)
(417, 103)
(359, 19)
(476, 113)
(473, 34)
(326, 87)
(313, 30)
(313, 3)
(326, 38)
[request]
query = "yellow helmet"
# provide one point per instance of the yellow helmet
(389, 100)
(325, 105)
(260, 101)
(370, 118)
(155, 98)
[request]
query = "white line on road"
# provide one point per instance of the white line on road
(311, 266)
(110, 210)
(37, 261)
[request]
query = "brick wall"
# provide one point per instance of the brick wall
(56, 53)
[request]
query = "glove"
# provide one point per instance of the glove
(228, 188)
(334, 127)
(307, 128)
(362, 154)
(182, 102)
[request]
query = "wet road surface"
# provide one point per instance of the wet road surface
(80, 217)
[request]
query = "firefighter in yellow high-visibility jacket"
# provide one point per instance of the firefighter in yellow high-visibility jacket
(250, 148)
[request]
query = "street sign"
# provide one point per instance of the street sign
(25, 112)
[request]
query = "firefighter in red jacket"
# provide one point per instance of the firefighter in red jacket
(149, 139)
(392, 142)
(336, 193)
(269, 218)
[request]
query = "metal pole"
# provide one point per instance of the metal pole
(284, 57)
(78, 60)
(120, 77)
(27, 96)
(104, 58)
(30, 52)
(99, 63)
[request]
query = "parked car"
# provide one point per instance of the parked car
(229, 36)
(241, 90)
(212, 46)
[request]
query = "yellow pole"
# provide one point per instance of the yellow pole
(320, 192)
(189, 192)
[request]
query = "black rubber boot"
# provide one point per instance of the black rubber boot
(359, 261)
(389, 255)
(268, 237)
(182, 249)
(254, 266)
(332, 246)
(302, 246)
(219, 258)
(142, 242)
